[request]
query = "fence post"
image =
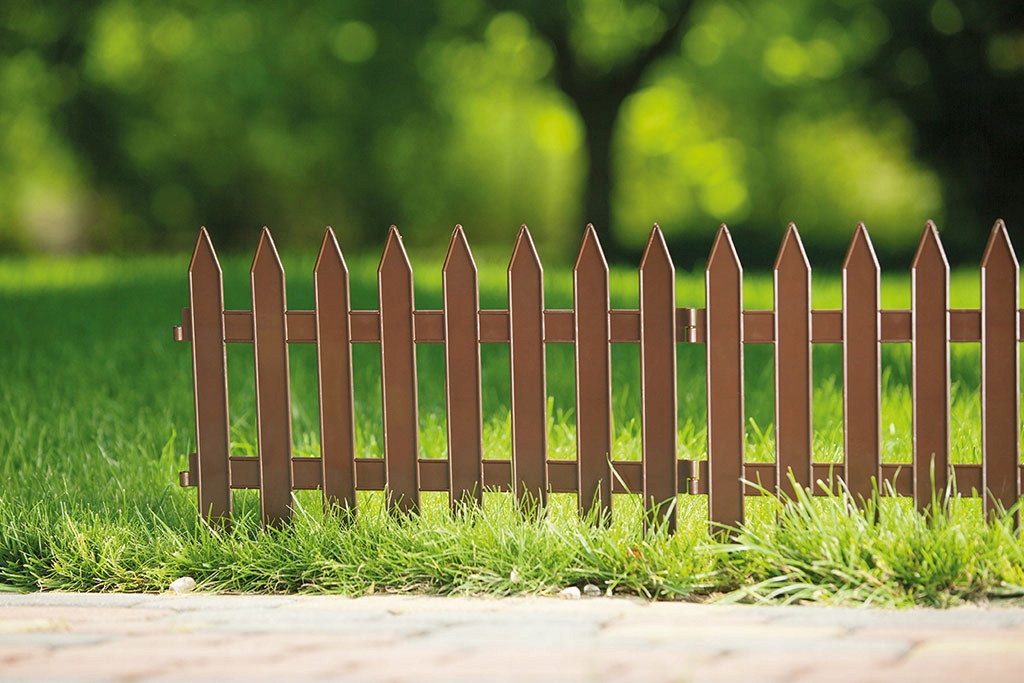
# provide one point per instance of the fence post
(462, 372)
(398, 375)
(724, 348)
(527, 366)
(1000, 374)
(930, 367)
(658, 380)
(793, 389)
(210, 380)
(593, 376)
(334, 375)
(862, 374)
(273, 396)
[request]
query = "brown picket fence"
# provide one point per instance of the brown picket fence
(723, 326)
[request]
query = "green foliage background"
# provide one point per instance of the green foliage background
(125, 125)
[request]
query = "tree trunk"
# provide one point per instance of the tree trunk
(598, 97)
(599, 115)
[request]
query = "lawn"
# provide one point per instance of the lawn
(97, 419)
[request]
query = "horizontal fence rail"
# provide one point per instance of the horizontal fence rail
(723, 326)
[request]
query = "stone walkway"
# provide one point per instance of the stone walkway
(49, 636)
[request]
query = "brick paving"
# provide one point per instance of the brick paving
(397, 638)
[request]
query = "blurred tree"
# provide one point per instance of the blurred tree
(125, 124)
(602, 51)
(957, 70)
(232, 114)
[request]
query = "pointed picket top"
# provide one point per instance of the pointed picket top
(524, 255)
(656, 255)
(999, 252)
(527, 369)
(929, 286)
(204, 259)
(861, 253)
(330, 262)
(930, 255)
(266, 262)
(723, 253)
(458, 262)
(591, 257)
(793, 390)
(394, 261)
(723, 292)
(792, 258)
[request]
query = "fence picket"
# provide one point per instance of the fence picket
(930, 367)
(526, 356)
(334, 373)
(658, 380)
(210, 379)
(862, 373)
(724, 348)
(398, 375)
(793, 389)
(593, 376)
(1000, 373)
(273, 397)
(462, 372)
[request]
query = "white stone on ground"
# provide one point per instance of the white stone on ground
(570, 593)
(185, 584)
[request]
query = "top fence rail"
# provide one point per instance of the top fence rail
(723, 326)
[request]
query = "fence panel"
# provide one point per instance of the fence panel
(210, 380)
(593, 376)
(1000, 372)
(930, 367)
(398, 375)
(528, 380)
(862, 371)
(273, 395)
(334, 373)
(658, 380)
(724, 348)
(723, 326)
(462, 372)
(793, 398)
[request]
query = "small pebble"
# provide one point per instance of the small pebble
(570, 593)
(513, 577)
(185, 584)
(592, 591)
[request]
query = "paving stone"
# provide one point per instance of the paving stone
(414, 638)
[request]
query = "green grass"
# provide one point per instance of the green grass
(96, 410)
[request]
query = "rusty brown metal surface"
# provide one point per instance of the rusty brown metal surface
(462, 372)
(862, 373)
(692, 475)
(528, 371)
(758, 326)
(657, 325)
(210, 379)
(1000, 373)
(398, 375)
(273, 395)
(793, 389)
(930, 367)
(724, 294)
(658, 380)
(593, 375)
(334, 373)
